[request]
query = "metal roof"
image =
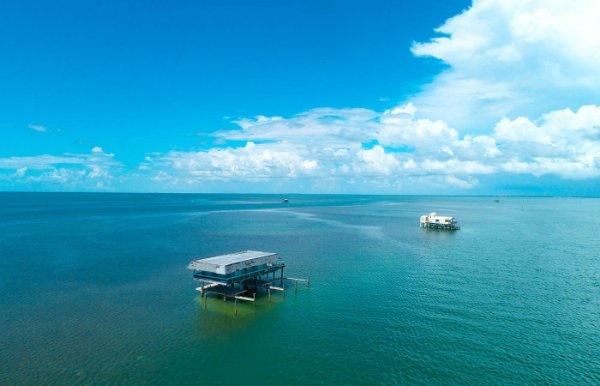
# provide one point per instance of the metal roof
(434, 215)
(231, 262)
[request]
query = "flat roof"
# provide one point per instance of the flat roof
(225, 264)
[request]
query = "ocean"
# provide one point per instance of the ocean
(94, 290)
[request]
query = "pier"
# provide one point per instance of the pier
(241, 276)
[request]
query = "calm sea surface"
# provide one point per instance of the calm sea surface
(94, 290)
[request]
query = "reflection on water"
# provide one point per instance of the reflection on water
(217, 320)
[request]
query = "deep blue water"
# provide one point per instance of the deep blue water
(94, 290)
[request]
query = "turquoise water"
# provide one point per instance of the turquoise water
(94, 290)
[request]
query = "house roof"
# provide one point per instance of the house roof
(231, 262)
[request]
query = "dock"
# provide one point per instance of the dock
(241, 276)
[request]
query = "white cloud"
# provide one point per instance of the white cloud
(375, 162)
(392, 147)
(67, 171)
(40, 162)
(37, 127)
(324, 125)
(513, 58)
(461, 183)
(20, 172)
(563, 142)
(455, 167)
(408, 109)
(423, 134)
(250, 162)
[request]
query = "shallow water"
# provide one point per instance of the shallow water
(94, 290)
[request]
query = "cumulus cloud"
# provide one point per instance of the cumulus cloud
(251, 162)
(392, 146)
(564, 142)
(398, 127)
(513, 58)
(374, 162)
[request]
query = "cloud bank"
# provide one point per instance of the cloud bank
(394, 148)
(91, 171)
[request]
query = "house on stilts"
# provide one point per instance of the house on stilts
(433, 221)
(241, 276)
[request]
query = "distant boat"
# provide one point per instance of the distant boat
(285, 200)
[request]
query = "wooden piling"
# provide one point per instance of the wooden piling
(295, 280)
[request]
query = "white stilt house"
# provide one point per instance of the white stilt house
(433, 221)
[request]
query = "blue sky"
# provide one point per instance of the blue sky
(494, 97)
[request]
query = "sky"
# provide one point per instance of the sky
(320, 96)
